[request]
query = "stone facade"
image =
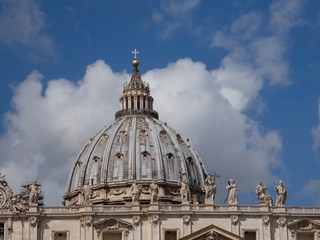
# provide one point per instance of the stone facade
(155, 221)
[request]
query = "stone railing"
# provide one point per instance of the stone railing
(178, 208)
(59, 210)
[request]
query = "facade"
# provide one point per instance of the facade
(139, 179)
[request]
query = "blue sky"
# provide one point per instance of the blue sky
(239, 78)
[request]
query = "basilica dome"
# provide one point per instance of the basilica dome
(136, 149)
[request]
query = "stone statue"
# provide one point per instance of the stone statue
(135, 191)
(210, 190)
(263, 195)
(15, 204)
(154, 191)
(184, 190)
(232, 192)
(34, 193)
(86, 192)
(281, 194)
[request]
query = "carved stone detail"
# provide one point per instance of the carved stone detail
(174, 191)
(111, 224)
(186, 219)
(265, 220)
(33, 221)
(9, 202)
(211, 235)
(305, 225)
(118, 191)
(86, 221)
(234, 220)
(136, 221)
(282, 221)
(154, 219)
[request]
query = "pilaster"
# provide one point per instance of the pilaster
(186, 225)
(137, 227)
(33, 227)
(235, 228)
(282, 228)
(155, 226)
(266, 230)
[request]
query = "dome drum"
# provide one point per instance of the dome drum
(147, 112)
(119, 194)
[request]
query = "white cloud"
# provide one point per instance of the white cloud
(174, 7)
(284, 15)
(310, 192)
(22, 23)
(157, 16)
(256, 53)
(174, 14)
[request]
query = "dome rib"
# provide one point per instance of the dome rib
(107, 152)
(157, 150)
(132, 148)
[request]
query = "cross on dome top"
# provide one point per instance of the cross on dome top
(135, 52)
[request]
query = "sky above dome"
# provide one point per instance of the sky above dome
(240, 79)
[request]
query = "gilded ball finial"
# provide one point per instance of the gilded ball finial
(135, 63)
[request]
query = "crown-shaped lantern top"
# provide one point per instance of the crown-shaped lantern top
(136, 98)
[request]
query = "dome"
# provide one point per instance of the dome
(136, 148)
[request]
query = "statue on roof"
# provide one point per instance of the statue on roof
(86, 192)
(135, 192)
(209, 189)
(232, 192)
(154, 191)
(263, 195)
(34, 193)
(281, 194)
(16, 205)
(184, 189)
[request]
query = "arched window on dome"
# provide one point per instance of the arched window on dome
(146, 169)
(94, 170)
(171, 169)
(192, 169)
(118, 167)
